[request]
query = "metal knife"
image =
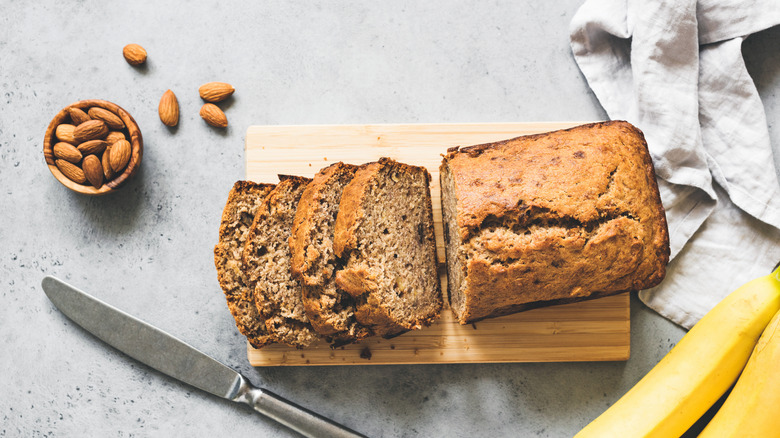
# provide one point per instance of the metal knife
(169, 355)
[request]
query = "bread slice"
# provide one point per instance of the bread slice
(551, 218)
(330, 310)
(267, 259)
(384, 234)
(243, 202)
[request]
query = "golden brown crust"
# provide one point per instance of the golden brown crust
(244, 199)
(555, 217)
(515, 308)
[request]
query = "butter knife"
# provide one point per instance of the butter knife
(163, 352)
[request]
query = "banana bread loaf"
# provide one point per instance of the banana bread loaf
(551, 218)
(243, 201)
(330, 310)
(384, 234)
(267, 262)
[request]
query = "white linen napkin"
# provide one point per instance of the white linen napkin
(675, 70)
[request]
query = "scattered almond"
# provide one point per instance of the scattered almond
(67, 152)
(134, 54)
(64, 132)
(77, 115)
(213, 115)
(107, 171)
(114, 136)
(71, 171)
(112, 120)
(90, 130)
(120, 155)
(215, 91)
(169, 109)
(92, 147)
(93, 170)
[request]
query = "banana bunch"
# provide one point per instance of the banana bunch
(751, 410)
(702, 367)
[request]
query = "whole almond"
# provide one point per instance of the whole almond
(92, 147)
(213, 115)
(90, 130)
(107, 171)
(93, 170)
(120, 155)
(71, 171)
(134, 54)
(169, 109)
(215, 91)
(64, 132)
(67, 152)
(112, 120)
(77, 115)
(114, 136)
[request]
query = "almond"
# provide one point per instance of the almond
(169, 109)
(213, 115)
(120, 155)
(107, 172)
(92, 147)
(215, 91)
(134, 54)
(112, 120)
(67, 152)
(71, 171)
(77, 115)
(114, 136)
(64, 132)
(93, 170)
(90, 130)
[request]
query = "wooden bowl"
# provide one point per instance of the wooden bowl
(131, 131)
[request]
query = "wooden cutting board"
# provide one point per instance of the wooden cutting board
(596, 330)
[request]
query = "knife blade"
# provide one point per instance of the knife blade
(169, 355)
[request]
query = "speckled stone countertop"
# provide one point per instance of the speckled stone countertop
(148, 248)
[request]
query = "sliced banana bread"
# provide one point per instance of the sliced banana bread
(267, 260)
(243, 202)
(330, 310)
(551, 218)
(384, 234)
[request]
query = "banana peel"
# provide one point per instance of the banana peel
(751, 410)
(697, 371)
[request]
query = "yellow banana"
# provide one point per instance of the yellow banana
(751, 410)
(697, 371)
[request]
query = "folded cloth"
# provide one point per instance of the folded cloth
(675, 70)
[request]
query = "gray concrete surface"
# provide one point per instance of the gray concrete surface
(147, 249)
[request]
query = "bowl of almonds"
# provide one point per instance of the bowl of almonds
(93, 147)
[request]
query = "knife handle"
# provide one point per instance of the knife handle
(297, 418)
